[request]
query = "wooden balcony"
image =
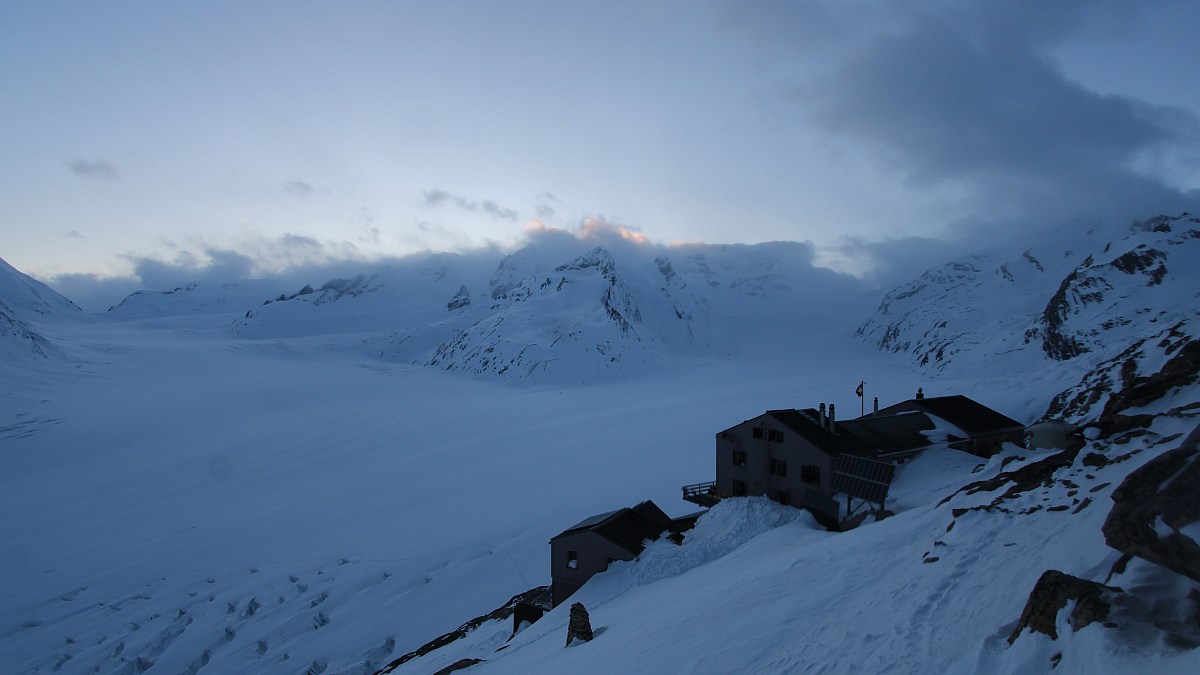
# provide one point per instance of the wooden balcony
(704, 494)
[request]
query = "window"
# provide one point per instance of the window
(739, 488)
(777, 467)
(772, 435)
(739, 458)
(810, 474)
(572, 559)
(782, 496)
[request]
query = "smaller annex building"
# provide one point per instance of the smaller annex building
(591, 545)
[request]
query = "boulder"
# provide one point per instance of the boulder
(1051, 593)
(1155, 505)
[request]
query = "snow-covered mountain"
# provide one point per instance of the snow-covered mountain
(601, 312)
(25, 302)
(195, 298)
(1054, 301)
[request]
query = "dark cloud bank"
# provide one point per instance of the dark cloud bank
(967, 94)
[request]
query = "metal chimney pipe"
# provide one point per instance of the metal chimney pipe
(821, 416)
(831, 418)
(876, 406)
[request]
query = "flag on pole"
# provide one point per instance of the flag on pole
(859, 391)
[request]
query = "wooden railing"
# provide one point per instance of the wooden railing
(704, 494)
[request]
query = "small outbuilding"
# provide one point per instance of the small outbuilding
(591, 545)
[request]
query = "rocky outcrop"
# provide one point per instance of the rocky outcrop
(1051, 593)
(461, 299)
(18, 340)
(504, 611)
(1116, 385)
(1154, 508)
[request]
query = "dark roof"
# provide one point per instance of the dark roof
(865, 435)
(806, 423)
(890, 434)
(628, 528)
(966, 414)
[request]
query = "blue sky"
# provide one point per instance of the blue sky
(295, 133)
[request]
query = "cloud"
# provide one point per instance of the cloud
(964, 99)
(95, 169)
(74, 234)
(492, 208)
(885, 263)
(93, 292)
(595, 230)
(299, 188)
(543, 208)
(439, 197)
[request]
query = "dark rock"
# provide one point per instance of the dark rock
(458, 665)
(538, 595)
(1018, 481)
(580, 627)
(1182, 369)
(1194, 596)
(1051, 593)
(1163, 492)
(1077, 289)
(461, 299)
(1094, 459)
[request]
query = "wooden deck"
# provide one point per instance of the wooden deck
(704, 494)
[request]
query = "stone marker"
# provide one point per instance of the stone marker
(580, 626)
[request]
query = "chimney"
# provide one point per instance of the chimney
(920, 393)
(876, 406)
(821, 416)
(831, 418)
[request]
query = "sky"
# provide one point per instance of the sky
(247, 139)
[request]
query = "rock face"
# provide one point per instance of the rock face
(1088, 295)
(461, 299)
(1157, 506)
(1051, 593)
(580, 627)
(1145, 371)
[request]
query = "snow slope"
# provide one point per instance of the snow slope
(25, 304)
(936, 588)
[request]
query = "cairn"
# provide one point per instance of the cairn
(580, 626)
